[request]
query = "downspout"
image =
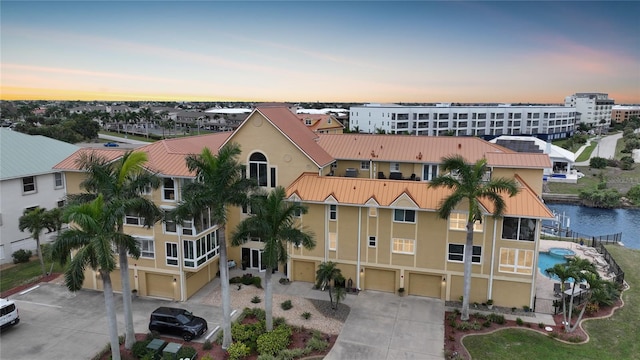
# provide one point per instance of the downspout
(359, 241)
(326, 232)
(493, 258)
(534, 273)
(181, 263)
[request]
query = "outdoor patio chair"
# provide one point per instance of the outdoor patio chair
(557, 291)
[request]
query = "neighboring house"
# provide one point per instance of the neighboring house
(562, 160)
(26, 181)
(370, 208)
(321, 123)
(594, 109)
(547, 122)
(621, 113)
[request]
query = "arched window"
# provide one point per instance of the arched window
(258, 168)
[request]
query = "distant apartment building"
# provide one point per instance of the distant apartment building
(594, 109)
(542, 121)
(624, 113)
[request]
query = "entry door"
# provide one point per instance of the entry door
(256, 260)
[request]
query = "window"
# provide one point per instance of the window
(133, 219)
(197, 252)
(187, 227)
(458, 221)
(146, 248)
(172, 253)
(333, 241)
(298, 212)
(394, 167)
(60, 203)
(404, 246)
(372, 241)
(29, 184)
(401, 215)
(517, 261)
(333, 212)
(169, 226)
(456, 253)
(168, 189)
(307, 121)
(364, 165)
(58, 180)
(373, 212)
(273, 177)
(258, 168)
(522, 229)
(429, 172)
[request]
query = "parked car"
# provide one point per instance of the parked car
(8, 313)
(176, 321)
(111, 144)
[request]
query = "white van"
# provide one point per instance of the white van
(8, 313)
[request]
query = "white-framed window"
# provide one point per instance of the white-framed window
(333, 241)
(456, 253)
(172, 253)
(258, 168)
(458, 221)
(522, 229)
(58, 180)
(373, 242)
(168, 189)
(307, 121)
(146, 190)
(429, 171)
(170, 226)
(333, 212)
(133, 219)
(517, 261)
(197, 252)
(394, 167)
(364, 165)
(147, 249)
(187, 227)
(373, 212)
(298, 212)
(404, 246)
(29, 184)
(402, 215)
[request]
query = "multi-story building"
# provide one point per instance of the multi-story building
(594, 109)
(370, 207)
(621, 113)
(545, 122)
(26, 181)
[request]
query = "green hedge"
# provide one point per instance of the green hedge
(275, 341)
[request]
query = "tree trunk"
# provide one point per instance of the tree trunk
(40, 257)
(109, 304)
(224, 284)
(330, 296)
(468, 252)
(268, 300)
(130, 336)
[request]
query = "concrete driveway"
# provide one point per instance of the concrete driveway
(387, 326)
(58, 324)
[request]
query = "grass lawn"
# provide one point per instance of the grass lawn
(586, 154)
(23, 273)
(614, 338)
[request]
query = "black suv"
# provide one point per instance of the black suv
(177, 322)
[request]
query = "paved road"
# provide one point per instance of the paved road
(606, 148)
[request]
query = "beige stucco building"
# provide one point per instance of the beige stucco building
(370, 208)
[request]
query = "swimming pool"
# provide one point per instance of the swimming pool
(548, 260)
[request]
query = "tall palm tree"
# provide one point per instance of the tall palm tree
(122, 183)
(328, 273)
(35, 220)
(220, 183)
(468, 185)
(92, 237)
(274, 221)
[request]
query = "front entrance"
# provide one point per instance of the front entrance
(252, 259)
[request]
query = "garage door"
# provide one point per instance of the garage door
(424, 285)
(304, 271)
(160, 285)
(380, 280)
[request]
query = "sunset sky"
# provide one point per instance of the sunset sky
(356, 51)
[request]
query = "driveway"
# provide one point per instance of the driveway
(387, 326)
(58, 324)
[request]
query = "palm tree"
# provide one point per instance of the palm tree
(220, 183)
(470, 186)
(92, 237)
(35, 220)
(329, 273)
(122, 183)
(274, 221)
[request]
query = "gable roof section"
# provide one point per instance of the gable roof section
(291, 127)
(320, 121)
(518, 160)
(166, 157)
(28, 155)
(310, 187)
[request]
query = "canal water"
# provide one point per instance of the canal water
(594, 222)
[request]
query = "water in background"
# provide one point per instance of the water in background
(592, 221)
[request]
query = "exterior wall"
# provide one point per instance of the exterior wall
(594, 108)
(554, 122)
(622, 114)
(12, 206)
(533, 177)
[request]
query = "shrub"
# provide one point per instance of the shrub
(208, 357)
(634, 194)
(290, 354)
(592, 308)
(464, 326)
(257, 282)
(186, 352)
(266, 357)
(317, 344)
(248, 333)
(476, 325)
(486, 324)
(238, 350)
(286, 305)
(256, 299)
(277, 321)
(519, 322)
(140, 348)
(275, 341)
(526, 308)
(497, 318)
(306, 315)
(21, 256)
(598, 163)
(207, 345)
(541, 325)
